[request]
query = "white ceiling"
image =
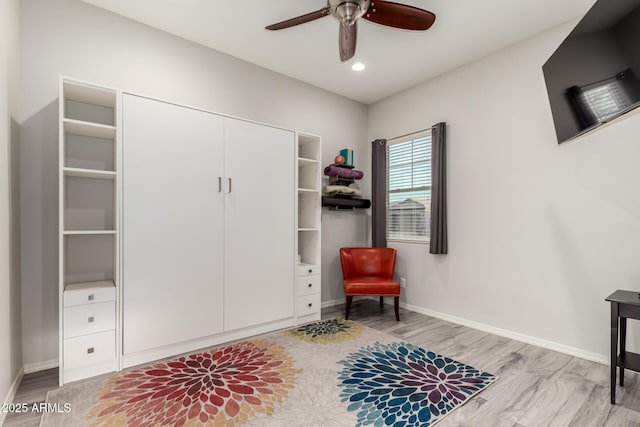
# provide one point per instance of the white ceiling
(395, 59)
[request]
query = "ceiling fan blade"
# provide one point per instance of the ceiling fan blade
(300, 19)
(399, 16)
(348, 39)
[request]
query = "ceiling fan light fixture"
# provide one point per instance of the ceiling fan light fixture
(348, 12)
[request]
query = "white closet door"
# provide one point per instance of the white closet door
(259, 218)
(172, 224)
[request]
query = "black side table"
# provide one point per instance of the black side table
(624, 305)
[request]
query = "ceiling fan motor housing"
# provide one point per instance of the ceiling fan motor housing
(348, 11)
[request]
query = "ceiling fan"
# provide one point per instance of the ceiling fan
(349, 11)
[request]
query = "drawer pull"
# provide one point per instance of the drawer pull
(310, 304)
(91, 297)
(90, 350)
(310, 270)
(311, 285)
(91, 319)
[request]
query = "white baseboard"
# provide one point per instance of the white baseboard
(30, 368)
(12, 394)
(550, 345)
(517, 336)
(333, 303)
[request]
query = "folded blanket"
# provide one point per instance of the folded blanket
(342, 189)
(343, 172)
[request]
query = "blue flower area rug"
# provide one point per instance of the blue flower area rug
(330, 373)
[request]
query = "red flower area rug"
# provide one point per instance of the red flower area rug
(330, 373)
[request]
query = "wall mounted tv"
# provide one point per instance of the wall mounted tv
(593, 77)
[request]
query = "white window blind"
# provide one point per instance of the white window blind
(409, 188)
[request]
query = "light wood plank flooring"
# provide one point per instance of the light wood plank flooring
(537, 387)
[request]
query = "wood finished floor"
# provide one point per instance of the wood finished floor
(537, 387)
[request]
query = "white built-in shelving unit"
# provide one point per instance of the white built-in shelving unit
(114, 293)
(88, 229)
(308, 225)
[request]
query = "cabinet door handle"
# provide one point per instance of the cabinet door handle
(91, 297)
(90, 350)
(310, 304)
(310, 285)
(229, 185)
(310, 271)
(219, 184)
(91, 319)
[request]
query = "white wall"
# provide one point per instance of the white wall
(539, 233)
(10, 349)
(72, 38)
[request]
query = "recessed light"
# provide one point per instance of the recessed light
(358, 66)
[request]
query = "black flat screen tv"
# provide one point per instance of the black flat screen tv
(593, 77)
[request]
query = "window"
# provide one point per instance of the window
(409, 188)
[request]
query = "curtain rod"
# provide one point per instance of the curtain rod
(409, 134)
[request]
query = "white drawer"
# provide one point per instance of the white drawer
(308, 285)
(308, 304)
(88, 295)
(89, 319)
(89, 349)
(308, 269)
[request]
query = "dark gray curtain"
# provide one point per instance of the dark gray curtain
(438, 244)
(379, 190)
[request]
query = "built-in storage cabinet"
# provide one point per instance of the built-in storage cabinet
(88, 232)
(179, 229)
(308, 241)
(173, 197)
(208, 243)
(259, 240)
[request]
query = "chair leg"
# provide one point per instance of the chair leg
(381, 305)
(349, 299)
(396, 306)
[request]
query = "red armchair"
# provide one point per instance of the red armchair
(369, 272)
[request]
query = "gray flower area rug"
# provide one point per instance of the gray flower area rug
(329, 373)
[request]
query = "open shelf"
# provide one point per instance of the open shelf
(89, 200)
(309, 197)
(89, 285)
(306, 265)
(84, 128)
(309, 247)
(308, 176)
(88, 220)
(305, 161)
(89, 94)
(309, 210)
(89, 257)
(89, 173)
(88, 232)
(339, 204)
(89, 152)
(308, 147)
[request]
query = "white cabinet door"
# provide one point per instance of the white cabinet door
(172, 224)
(259, 224)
